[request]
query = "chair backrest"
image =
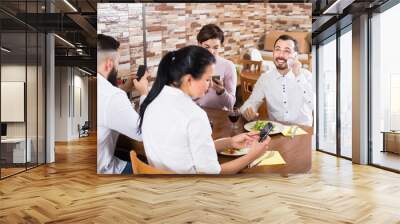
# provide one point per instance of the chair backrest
(250, 66)
(255, 54)
(247, 85)
(140, 167)
(247, 82)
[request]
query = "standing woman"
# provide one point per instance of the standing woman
(176, 131)
(222, 93)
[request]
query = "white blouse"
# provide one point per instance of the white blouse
(289, 98)
(177, 135)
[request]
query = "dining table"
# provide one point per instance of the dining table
(295, 150)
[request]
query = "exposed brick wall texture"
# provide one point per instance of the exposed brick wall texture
(170, 26)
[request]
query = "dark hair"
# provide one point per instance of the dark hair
(288, 37)
(106, 43)
(210, 31)
(174, 65)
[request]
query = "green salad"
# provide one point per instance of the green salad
(260, 125)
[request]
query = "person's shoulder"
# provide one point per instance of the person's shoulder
(306, 73)
(198, 113)
(190, 108)
(117, 93)
(101, 81)
(193, 109)
(266, 75)
(224, 61)
(107, 87)
(107, 91)
(112, 90)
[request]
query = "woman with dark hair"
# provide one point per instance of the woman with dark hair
(222, 94)
(176, 131)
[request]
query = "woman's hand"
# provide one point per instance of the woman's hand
(259, 148)
(218, 85)
(244, 140)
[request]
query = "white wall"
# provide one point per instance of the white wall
(80, 94)
(71, 87)
(13, 73)
(61, 103)
(33, 126)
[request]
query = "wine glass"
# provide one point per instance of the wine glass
(234, 115)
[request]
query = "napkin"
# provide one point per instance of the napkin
(269, 158)
(287, 131)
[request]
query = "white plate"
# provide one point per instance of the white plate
(278, 127)
(237, 152)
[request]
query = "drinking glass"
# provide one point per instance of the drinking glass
(234, 115)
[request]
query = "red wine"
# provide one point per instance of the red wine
(234, 117)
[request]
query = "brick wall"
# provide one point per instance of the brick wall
(173, 25)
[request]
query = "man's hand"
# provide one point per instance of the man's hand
(295, 64)
(249, 114)
(128, 85)
(296, 68)
(142, 86)
(218, 85)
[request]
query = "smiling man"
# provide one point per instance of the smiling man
(287, 88)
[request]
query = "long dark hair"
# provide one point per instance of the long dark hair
(174, 65)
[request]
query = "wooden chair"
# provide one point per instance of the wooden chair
(248, 79)
(140, 167)
(251, 66)
(249, 74)
(247, 84)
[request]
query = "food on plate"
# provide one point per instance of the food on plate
(230, 151)
(235, 152)
(260, 125)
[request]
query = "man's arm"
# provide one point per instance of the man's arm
(304, 82)
(121, 117)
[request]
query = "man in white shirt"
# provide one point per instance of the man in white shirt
(115, 113)
(287, 88)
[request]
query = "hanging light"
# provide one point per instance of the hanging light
(70, 5)
(5, 50)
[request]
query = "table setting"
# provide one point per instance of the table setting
(289, 149)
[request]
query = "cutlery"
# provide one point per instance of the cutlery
(256, 164)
